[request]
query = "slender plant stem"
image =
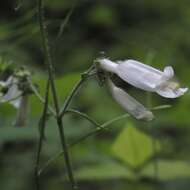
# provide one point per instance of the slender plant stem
(161, 107)
(98, 129)
(71, 95)
(53, 89)
(68, 111)
(41, 99)
(82, 138)
(83, 115)
(84, 77)
(42, 124)
(65, 21)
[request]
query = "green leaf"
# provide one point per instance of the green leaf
(168, 169)
(103, 172)
(133, 147)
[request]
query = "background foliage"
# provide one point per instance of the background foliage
(122, 29)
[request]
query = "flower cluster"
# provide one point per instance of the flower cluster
(143, 77)
(14, 88)
(10, 92)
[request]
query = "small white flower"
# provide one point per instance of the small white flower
(13, 94)
(145, 77)
(131, 105)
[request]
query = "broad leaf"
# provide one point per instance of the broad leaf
(133, 147)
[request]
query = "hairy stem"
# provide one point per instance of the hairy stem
(83, 115)
(84, 78)
(41, 99)
(46, 49)
(93, 132)
(65, 21)
(42, 124)
(82, 138)
(69, 98)
(68, 111)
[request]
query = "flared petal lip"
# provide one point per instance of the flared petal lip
(172, 93)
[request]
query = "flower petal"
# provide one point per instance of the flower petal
(139, 75)
(170, 89)
(145, 77)
(16, 103)
(13, 95)
(168, 72)
(131, 105)
(107, 65)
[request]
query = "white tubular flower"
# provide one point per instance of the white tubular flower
(145, 77)
(131, 105)
(13, 94)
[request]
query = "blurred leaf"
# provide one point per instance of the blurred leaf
(133, 146)
(17, 133)
(103, 172)
(9, 133)
(168, 169)
(63, 86)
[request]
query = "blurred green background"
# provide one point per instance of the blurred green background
(123, 157)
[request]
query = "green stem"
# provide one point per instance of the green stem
(70, 97)
(68, 111)
(84, 77)
(46, 49)
(38, 95)
(42, 124)
(83, 115)
(98, 129)
(91, 133)
(65, 21)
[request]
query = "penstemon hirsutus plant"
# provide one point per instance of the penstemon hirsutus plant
(17, 87)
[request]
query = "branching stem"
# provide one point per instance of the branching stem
(48, 60)
(82, 138)
(42, 124)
